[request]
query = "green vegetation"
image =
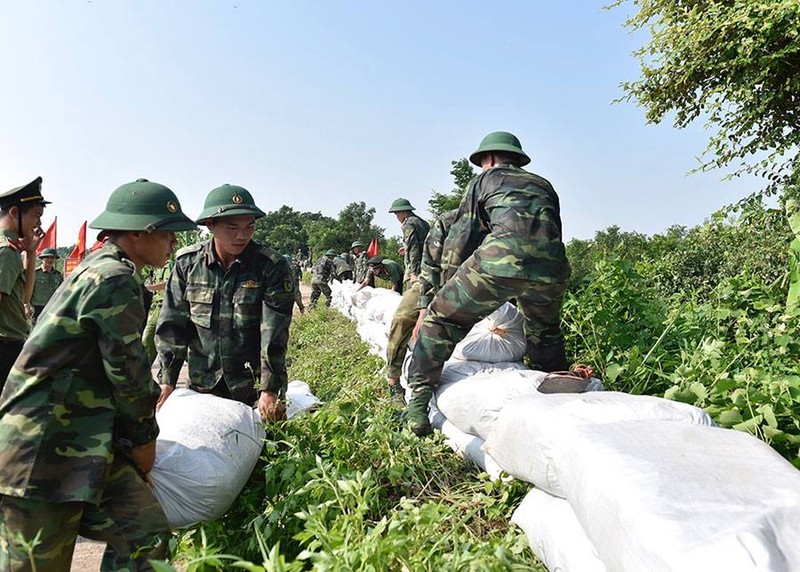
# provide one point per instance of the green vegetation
(345, 489)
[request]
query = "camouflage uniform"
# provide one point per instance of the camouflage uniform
(323, 273)
(391, 271)
(342, 270)
(297, 276)
(14, 326)
(360, 268)
(79, 395)
(46, 285)
(523, 257)
(415, 232)
(232, 326)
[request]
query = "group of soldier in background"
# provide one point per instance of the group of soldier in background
(77, 410)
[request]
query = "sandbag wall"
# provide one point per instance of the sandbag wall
(622, 482)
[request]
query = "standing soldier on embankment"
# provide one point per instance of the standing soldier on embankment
(48, 279)
(324, 271)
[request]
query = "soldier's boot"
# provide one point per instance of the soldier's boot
(395, 389)
(417, 411)
(548, 358)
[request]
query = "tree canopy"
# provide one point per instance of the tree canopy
(735, 64)
(462, 174)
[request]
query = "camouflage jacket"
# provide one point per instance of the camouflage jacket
(340, 266)
(230, 324)
(360, 267)
(391, 271)
(415, 230)
(297, 274)
(13, 323)
(323, 271)
(522, 214)
(431, 268)
(46, 285)
(81, 385)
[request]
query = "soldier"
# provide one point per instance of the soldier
(227, 309)
(342, 269)
(359, 261)
(297, 276)
(21, 211)
(48, 279)
(324, 271)
(77, 415)
(385, 268)
(415, 231)
(522, 257)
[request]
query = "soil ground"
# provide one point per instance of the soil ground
(89, 553)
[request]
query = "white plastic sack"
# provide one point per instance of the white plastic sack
(205, 452)
(663, 495)
(497, 338)
(525, 435)
(474, 403)
(555, 535)
(381, 308)
(470, 447)
(299, 399)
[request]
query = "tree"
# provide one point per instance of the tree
(462, 174)
(737, 65)
(284, 230)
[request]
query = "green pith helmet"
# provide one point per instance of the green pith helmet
(49, 252)
(330, 252)
(143, 205)
(400, 205)
(500, 141)
(229, 200)
(375, 260)
(357, 244)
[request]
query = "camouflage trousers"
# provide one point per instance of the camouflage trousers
(403, 322)
(129, 519)
(318, 288)
(469, 297)
(298, 298)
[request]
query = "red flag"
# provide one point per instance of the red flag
(98, 244)
(373, 248)
(77, 253)
(49, 240)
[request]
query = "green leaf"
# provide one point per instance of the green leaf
(729, 418)
(612, 371)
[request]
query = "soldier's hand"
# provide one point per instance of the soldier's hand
(271, 407)
(418, 325)
(144, 456)
(166, 391)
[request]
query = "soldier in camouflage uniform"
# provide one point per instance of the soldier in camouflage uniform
(385, 268)
(77, 415)
(324, 271)
(415, 231)
(21, 211)
(227, 309)
(48, 279)
(342, 270)
(360, 258)
(522, 257)
(297, 276)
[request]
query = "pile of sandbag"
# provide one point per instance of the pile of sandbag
(622, 482)
(206, 450)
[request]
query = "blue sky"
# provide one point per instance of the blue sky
(319, 104)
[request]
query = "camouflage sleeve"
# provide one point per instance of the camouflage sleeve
(413, 243)
(465, 234)
(431, 267)
(172, 337)
(275, 321)
(117, 310)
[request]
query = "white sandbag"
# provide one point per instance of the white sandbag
(523, 438)
(474, 403)
(205, 452)
(470, 447)
(664, 495)
(456, 369)
(497, 338)
(374, 334)
(381, 308)
(555, 535)
(299, 399)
